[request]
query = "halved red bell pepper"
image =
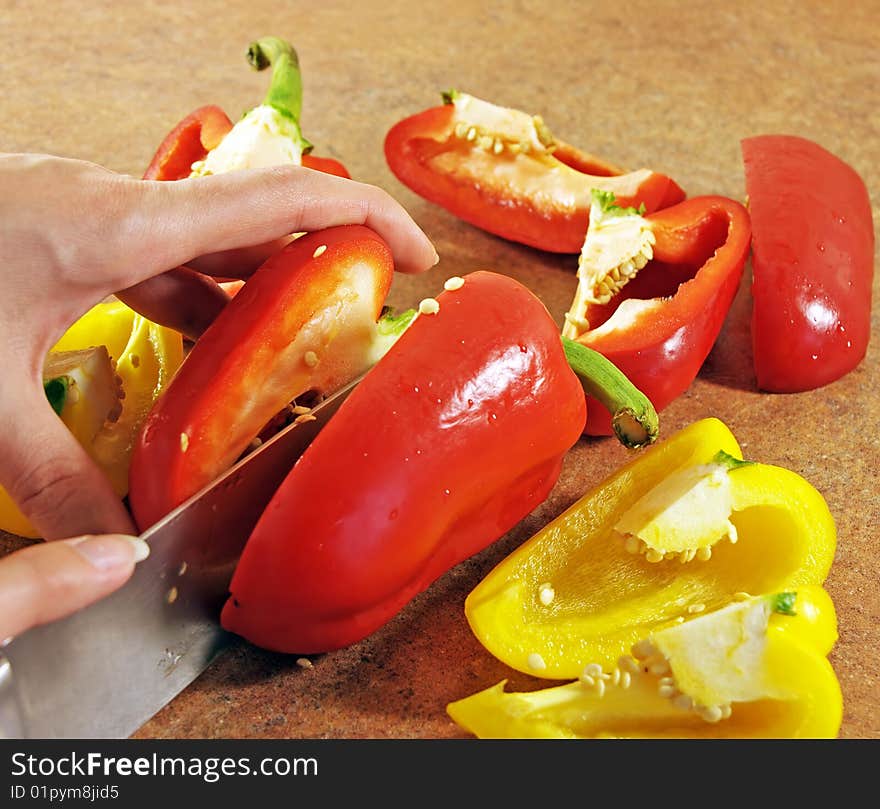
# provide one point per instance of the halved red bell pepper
(501, 170)
(813, 263)
(455, 435)
(653, 291)
(305, 321)
(203, 130)
(189, 141)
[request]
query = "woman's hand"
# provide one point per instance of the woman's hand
(72, 233)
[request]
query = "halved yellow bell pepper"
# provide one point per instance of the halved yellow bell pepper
(679, 531)
(146, 357)
(755, 668)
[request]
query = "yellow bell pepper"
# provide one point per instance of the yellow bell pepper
(681, 530)
(146, 357)
(755, 668)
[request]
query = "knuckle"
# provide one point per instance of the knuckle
(47, 489)
(86, 254)
(281, 180)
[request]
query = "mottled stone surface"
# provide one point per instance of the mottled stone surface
(643, 83)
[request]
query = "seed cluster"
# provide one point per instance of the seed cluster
(497, 143)
(635, 545)
(597, 680)
(651, 660)
(605, 288)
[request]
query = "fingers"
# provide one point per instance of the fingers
(48, 581)
(181, 299)
(58, 487)
(190, 218)
(241, 262)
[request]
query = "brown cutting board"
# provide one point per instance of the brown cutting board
(642, 84)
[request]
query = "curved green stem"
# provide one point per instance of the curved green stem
(633, 417)
(285, 90)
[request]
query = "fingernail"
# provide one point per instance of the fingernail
(436, 259)
(111, 550)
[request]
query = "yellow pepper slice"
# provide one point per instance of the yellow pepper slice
(583, 591)
(765, 673)
(147, 356)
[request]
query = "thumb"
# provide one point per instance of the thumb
(49, 475)
(45, 582)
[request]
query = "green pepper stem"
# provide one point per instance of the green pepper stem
(56, 392)
(285, 90)
(395, 324)
(633, 417)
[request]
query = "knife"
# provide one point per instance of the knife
(103, 671)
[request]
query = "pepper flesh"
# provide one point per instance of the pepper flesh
(451, 439)
(607, 598)
(771, 676)
(660, 325)
(812, 260)
(533, 189)
(305, 321)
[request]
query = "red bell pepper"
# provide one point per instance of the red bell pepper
(203, 130)
(501, 170)
(812, 260)
(653, 291)
(190, 141)
(453, 437)
(305, 321)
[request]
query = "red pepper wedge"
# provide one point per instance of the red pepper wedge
(305, 321)
(204, 129)
(535, 191)
(326, 164)
(675, 304)
(812, 262)
(189, 141)
(455, 435)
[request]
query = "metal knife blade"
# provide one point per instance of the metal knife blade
(102, 672)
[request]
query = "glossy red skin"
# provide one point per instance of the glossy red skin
(812, 261)
(448, 442)
(197, 134)
(700, 250)
(235, 364)
(412, 142)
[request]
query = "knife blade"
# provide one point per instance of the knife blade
(103, 671)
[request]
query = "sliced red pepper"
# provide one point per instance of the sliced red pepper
(204, 129)
(451, 439)
(190, 141)
(674, 305)
(813, 263)
(304, 322)
(198, 133)
(326, 164)
(528, 191)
